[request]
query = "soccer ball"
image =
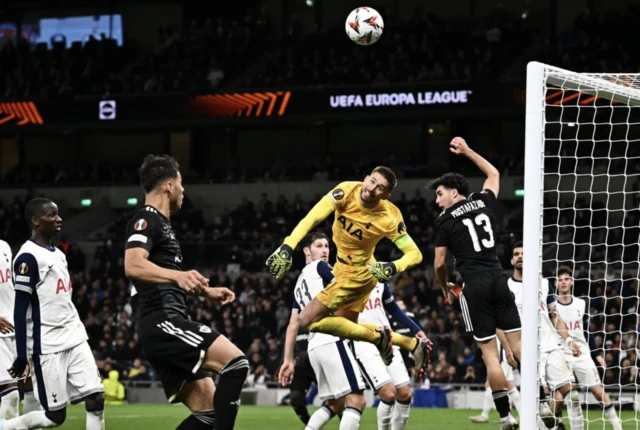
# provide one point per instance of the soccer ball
(364, 26)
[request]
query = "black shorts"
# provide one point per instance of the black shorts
(176, 348)
(487, 303)
(303, 375)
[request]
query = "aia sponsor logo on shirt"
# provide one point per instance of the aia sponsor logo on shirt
(62, 288)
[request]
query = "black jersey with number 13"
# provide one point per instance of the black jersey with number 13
(467, 229)
(152, 231)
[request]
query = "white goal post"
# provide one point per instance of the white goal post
(582, 153)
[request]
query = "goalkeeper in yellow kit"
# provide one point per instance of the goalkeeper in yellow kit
(363, 216)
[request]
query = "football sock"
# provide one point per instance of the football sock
(9, 403)
(226, 400)
(514, 397)
(95, 420)
(501, 400)
(610, 412)
(319, 418)
(32, 420)
(405, 342)
(342, 327)
(31, 403)
(298, 402)
(384, 415)
(400, 415)
(574, 410)
(487, 403)
(350, 419)
(201, 420)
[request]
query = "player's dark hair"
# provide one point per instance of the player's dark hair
(35, 208)
(517, 245)
(156, 169)
(312, 237)
(388, 174)
(451, 181)
(564, 270)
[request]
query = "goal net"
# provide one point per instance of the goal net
(582, 183)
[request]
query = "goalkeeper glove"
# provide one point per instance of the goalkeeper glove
(279, 262)
(382, 271)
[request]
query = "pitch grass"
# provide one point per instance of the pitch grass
(167, 417)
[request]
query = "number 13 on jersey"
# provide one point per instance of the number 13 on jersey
(482, 220)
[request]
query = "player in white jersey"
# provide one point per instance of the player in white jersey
(50, 338)
(339, 380)
(552, 367)
(392, 383)
(9, 395)
(573, 311)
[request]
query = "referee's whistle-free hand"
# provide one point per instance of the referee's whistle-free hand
(382, 271)
(221, 295)
(279, 262)
(192, 282)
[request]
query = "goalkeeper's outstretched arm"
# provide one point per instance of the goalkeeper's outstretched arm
(459, 146)
(279, 262)
(316, 215)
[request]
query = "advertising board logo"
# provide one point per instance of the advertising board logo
(107, 110)
(21, 113)
(371, 100)
(257, 104)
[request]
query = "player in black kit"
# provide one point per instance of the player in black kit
(183, 352)
(466, 228)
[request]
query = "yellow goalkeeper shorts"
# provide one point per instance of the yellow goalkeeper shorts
(350, 289)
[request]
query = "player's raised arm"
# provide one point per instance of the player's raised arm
(459, 147)
(279, 262)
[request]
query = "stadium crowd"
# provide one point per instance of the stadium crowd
(327, 169)
(231, 251)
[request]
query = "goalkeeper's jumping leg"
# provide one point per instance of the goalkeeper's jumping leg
(316, 317)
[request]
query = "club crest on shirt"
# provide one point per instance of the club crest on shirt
(204, 329)
(140, 225)
(338, 194)
(402, 227)
(23, 268)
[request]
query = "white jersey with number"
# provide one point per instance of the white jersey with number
(53, 323)
(374, 312)
(309, 284)
(549, 339)
(574, 315)
(7, 293)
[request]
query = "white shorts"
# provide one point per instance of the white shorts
(66, 376)
(336, 370)
(554, 370)
(7, 357)
(373, 368)
(584, 370)
(508, 370)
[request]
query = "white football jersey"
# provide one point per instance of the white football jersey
(549, 338)
(7, 293)
(574, 315)
(374, 312)
(53, 323)
(309, 284)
